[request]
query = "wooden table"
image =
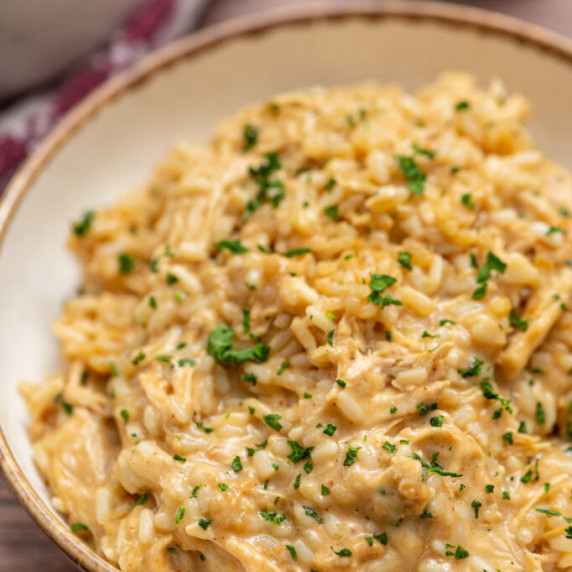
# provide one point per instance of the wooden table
(23, 546)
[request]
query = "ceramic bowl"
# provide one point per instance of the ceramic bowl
(112, 141)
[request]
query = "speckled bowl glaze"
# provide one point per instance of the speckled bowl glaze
(111, 142)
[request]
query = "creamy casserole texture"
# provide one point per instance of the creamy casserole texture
(335, 338)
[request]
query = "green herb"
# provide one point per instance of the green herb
(378, 284)
(426, 334)
(82, 227)
(219, 346)
(164, 359)
(325, 491)
(330, 315)
(293, 552)
(492, 263)
(299, 453)
(369, 540)
(234, 246)
(142, 499)
(236, 464)
(179, 458)
(180, 514)
(263, 249)
(351, 456)
(381, 538)
(246, 321)
(307, 395)
(330, 184)
(79, 527)
(389, 447)
(297, 481)
(297, 252)
(343, 553)
(250, 136)
(186, 361)
(204, 523)
(554, 230)
(476, 505)
(313, 514)
(171, 279)
(460, 553)
(462, 106)
(516, 322)
(489, 489)
(126, 264)
(445, 322)
(466, 200)
(404, 258)
(274, 108)
(424, 408)
(489, 393)
(272, 517)
(330, 430)
(261, 177)
(331, 212)
(413, 174)
(67, 407)
(473, 370)
(203, 428)
(540, 414)
(505, 495)
(548, 512)
(273, 421)
(282, 367)
(341, 383)
(125, 415)
(436, 421)
(250, 378)
(420, 151)
(508, 437)
(433, 467)
(526, 477)
(223, 486)
(393, 410)
(331, 337)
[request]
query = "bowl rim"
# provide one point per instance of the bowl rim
(482, 21)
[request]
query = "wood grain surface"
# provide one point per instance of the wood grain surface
(23, 546)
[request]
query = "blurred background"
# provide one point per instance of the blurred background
(52, 54)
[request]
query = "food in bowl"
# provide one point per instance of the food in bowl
(336, 338)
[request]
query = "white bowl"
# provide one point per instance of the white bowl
(112, 141)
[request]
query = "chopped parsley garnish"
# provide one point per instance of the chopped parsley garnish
(246, 321)
(297, 252)
(404, 258)
(508, 437)
(325, 491)
(436, 421)
(81, 227)
(180, 514)
(307, 395)
(489, 393)
(299, 453)
(516, 322)
(540, 415)
(234, 246)
(164, 359)
(250, 378)
(413, 174)
(125, 415)
(171, 279)
(67, 407)
(179, 458)
(250, 136)
(273, 421)
(493, 263)
(331, 337)
(462, 105)
(466, 200)
(420, 151)
(186, 361)
(554, 230)
(142, 499)
(548, 512)
(343, 553)
(445, 322)
(351, 456)
(379, 283)
(293, 552)
(203, 428)
(330, 430)
(204, 523)
(473, 370)
(282, 367)
(223, 486)
(424, 408)
(381, 538)
(126, 264)
(297, 481)
(426, 334)
(389, 447)
(153, 302)
(138, 358)
(489, 489)
(236, 464)
(261, 177)
(476, 505)
(219, 346)
(79, 527)
(433, 467)
(313, 514)
(272, 517)
(459, 553)
(331, 212)
(506, 495)
(341, 383)
(258, 447)
(526, 477)
(330, 184)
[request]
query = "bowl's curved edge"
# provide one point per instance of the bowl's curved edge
(472, 18)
